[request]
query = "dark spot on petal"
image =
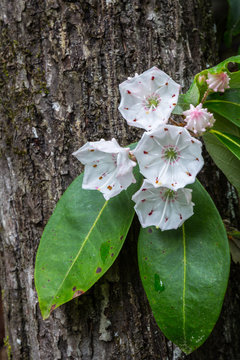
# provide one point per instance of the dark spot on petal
(74, 288)
(121, 237)
(165, 129)
(188, 173)
(128, 91)
(197, 159)
(166, 83)
(192, 141)
(100, 177)
(91, 150)
(143, 200)
(144, 189)
(112, 254)
(109, 187)
(152, 77)
(151, 212)
(151, 136)
(126, 108)
(77, 293)
(173, 95)
(174, 104)
(145, 152)
(95, 165)
(98, 270)
(180, 217)
(134, 120)
(150, 230)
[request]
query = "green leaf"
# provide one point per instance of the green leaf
(223, 66)
(80, 242)
(233, 23)
(235, 80)
(192, 96)
(226, 108)
(185, 272)
(181, 106)
(230, 141)
(224, 125)
(224, 159)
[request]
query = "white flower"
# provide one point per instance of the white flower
(169, 156)
(162, 207)
(198, 119)
(107, 167)
(147, 100)
(218, 82)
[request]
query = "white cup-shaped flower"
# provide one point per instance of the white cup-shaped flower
(198, 119)
(218, 82)
(169, 156)
(147, 100)
(107, 167)
(162, 207)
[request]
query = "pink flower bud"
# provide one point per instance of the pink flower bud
(218, 82)
(198, 119)
(201, 79)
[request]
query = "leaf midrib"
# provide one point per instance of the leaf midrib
(225, 136)
(222, 101)
(82, 246)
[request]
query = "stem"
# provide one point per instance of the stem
(205, 95)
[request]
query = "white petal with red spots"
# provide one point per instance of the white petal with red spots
(147, 100)
(162, 207)
(107, 167)
(169, 156)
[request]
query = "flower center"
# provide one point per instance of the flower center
(170, 153)
(151, 102)
(169, 194)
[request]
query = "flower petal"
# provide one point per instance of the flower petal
(162, 207)
(147, 100)
(169, 156)
(107, 167)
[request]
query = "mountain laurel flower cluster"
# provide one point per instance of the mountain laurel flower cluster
(169, 157)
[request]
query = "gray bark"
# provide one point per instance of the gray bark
(61, 63)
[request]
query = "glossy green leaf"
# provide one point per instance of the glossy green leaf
(224, 125)
(223, 66)
(192, 96)
(185, 273)
(230, 141)
(228, 109)
(224, 159)
(80, 242)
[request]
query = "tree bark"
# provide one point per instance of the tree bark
(61, 63)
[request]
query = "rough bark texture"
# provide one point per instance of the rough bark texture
(61, 63)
